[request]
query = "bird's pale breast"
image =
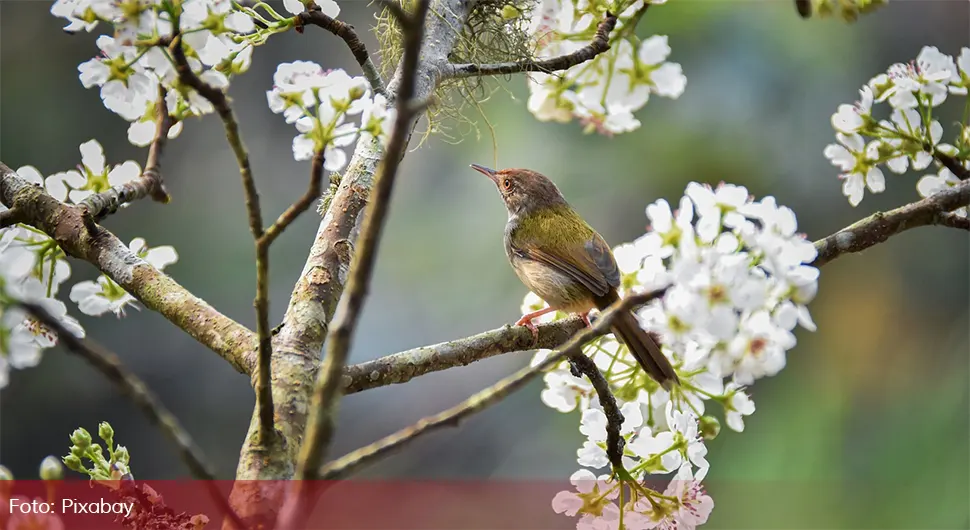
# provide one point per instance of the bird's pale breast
(558, 290)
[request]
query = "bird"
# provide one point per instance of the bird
(564, 261)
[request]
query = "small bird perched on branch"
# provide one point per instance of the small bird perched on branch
(560, 258)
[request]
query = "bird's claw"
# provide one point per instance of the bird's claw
(528, 323)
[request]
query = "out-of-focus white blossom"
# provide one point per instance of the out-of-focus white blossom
(602, 94)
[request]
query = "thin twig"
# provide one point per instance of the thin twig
(327, 388)
(953, 165)
(599, 44)
(349, 35)
(880, 226)
(135, 389)
(301, 205)
(369, 454)
(264, 388)
(149, 184)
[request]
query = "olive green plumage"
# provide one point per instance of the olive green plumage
(560, 258)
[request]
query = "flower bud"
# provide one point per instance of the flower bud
(81, 438)
(51, 469)
(709, 427)
(121, 455)
(73, 463)
(357, 92)
(106, 432)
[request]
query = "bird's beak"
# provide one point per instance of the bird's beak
(490, 173)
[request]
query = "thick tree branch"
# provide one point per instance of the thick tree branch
(880, 226)
(599, 44)
(317, 292)
(349, 35)
(135, 389)
(149, 183)
(80, 237)
(327, 389)
(370, 454)
(404, 366)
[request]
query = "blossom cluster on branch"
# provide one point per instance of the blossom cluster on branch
(33, 267)
(602, 94)
(912, 136)
(738, 281)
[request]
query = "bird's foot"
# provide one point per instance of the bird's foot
(585, 317)
(527, 322)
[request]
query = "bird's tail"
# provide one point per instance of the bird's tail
(644, 349)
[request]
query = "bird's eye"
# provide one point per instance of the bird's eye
(507, 183)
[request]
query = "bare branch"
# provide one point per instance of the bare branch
(952, 164)
(370, 454)
(599, 44)
(80, 237)
(880, 226)
(301, 205)
(297, 346)
(264, 391)
(580, 364)
(135, 389)
(11, 217)
(402, 367)
(349, 35)
(149, 183)
(953, 221)
(327, 389)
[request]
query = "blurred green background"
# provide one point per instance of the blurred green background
(867, 427)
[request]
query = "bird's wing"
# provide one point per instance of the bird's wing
(590, 263)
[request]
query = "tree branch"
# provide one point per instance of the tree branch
(599, 44)
(80, 237)
(952, 164)
(369, 454)
(404, 366)
(327, 389)
(346, 32)
(880, 226)
(580, 364)
(316, 294)
(264, 391)
(149, 183)
(135, 389)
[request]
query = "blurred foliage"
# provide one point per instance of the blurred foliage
(866, 428)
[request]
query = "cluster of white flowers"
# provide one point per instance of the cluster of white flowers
(602, 93)
(136, 66)
(318, 102)
(911, 137)
(33, 267)
(738, 280)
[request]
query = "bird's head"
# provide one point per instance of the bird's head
(523, 190)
